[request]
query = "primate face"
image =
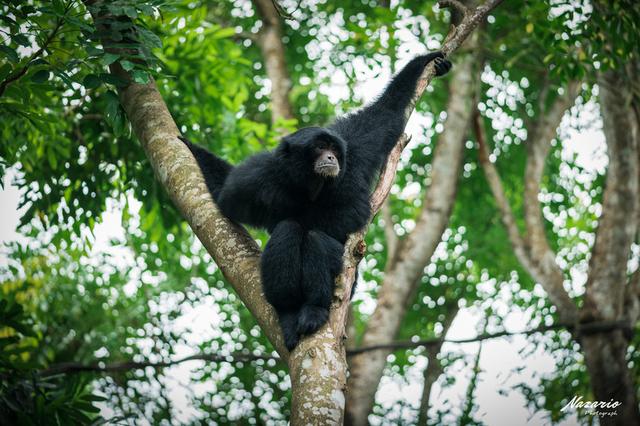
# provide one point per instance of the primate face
(326, 163)
(313, 152)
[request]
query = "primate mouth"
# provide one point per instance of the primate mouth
(327, 169)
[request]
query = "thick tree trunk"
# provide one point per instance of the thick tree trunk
(611, 379)
(605, 354)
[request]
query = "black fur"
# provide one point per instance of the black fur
(309, 217)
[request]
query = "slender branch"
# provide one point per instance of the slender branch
(434, 367)
(495, 184)
(587, 328)
(283, 13)
(76, 367)
(454, 39)
(459, 6)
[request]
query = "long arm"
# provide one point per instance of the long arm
(380, 124)
(214, 169)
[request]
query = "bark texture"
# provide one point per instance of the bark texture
(605, 353)
(413, 254)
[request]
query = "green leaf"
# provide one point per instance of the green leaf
(58, 6)
(40, 76)
(224, 33)
(8, 20)
(127, 65)
(146, 9)
(94, 51)
(64, 77)
(141, 77)
(10, 53)
(109, 58)
(112, 79)
(131, 12)
(53, 161)
(21, 39)
(149, 38)
(91, 81)
(4, 71)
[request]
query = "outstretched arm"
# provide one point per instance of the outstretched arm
(399, 92)
(380, 124)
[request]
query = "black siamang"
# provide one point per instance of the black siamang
(310, 193)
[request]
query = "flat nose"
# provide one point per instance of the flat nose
(331, 157)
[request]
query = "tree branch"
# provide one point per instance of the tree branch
(429, 344)
(604, 296)
(551, 276)
(75, 367)
(534, 252)
(269, 39)
(459, 6)
(586, 329)
(495, 183)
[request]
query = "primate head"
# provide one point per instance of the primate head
(314, 152)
